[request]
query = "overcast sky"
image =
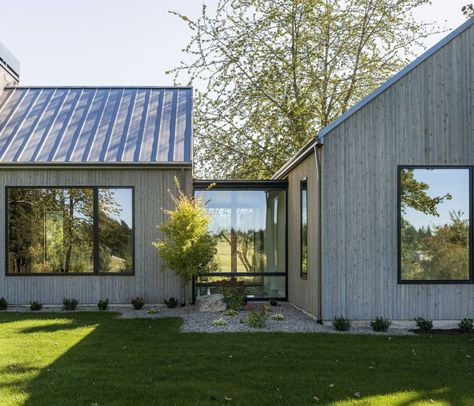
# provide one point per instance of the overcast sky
(119, 42)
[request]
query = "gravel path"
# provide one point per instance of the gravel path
(294, 320)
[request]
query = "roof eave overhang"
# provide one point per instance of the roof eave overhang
(95, 165)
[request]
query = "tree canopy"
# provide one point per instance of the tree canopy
(275, 72)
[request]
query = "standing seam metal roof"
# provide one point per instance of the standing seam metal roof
(96, 125)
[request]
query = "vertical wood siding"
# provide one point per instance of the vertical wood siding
(303, 292)
(149, 282)
(427, 118)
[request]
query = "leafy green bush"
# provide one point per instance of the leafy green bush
(380, 324)
(257, 317)
(35, 306)
(277, 316)
(273, 302)
(153, 311)
(70, 303)
(233, 292)
(172, 302)
(187, 247)
(138, 303)
(219, 322)
(466, 326)
(3, 303)
(424, 325)
(103, 304)
(342, 324)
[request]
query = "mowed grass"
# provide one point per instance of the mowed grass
(98, 359)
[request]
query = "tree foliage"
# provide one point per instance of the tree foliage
(413, 194)
(276, 72)
(187, 246)
(468, 10)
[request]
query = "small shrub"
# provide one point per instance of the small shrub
(3, 303)
(70, 303)
(138, 303)
(342, 324)
(231, 313)
(233, 292)
(153, 311)
(35, 306)
(277, 316)
(257, 318)
(103, 304)
(273, 302)
(424, 325)
(466, 326)
(172, 302)
(219, 322)
(380, 324)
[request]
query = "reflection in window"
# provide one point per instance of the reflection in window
(304, 226)
(50, 230)
(434, 224)
(250, 226)
(115, 230)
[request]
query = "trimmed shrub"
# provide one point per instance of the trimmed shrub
(466, 326)
(219, 322)
(424, 325)
(341, 324)
(380, 324)
(233, 292)
(138, 303)
(3, 303)
(172, 302)
(257, 317)
(35, 306)
(70, 303)
(103, 304)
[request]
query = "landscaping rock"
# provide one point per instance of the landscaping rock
(211, 303)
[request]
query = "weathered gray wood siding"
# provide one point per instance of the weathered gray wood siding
(151, 194)
(303, 292)
(425, 118)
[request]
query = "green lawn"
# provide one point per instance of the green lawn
(97, 359)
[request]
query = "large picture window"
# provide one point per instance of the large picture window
(250, 227)
(304, 227)
(434, 224)
(74, 230)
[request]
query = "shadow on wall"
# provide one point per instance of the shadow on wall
(97, 359)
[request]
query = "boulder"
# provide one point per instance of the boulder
(211, 303)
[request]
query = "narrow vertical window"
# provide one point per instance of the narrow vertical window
(304, 227)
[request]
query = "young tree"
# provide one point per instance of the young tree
(278, 71)
(187, 246)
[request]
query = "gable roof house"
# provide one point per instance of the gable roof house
(84, 173)
(373, 217)
(385, 186)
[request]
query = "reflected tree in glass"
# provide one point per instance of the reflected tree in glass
(434, 226)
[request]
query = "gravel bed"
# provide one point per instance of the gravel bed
(294, 320)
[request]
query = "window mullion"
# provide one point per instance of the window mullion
(96, 229)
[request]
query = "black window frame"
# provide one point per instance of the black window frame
(95, 236)
(244, 185)
(304, 187)
(401, 281)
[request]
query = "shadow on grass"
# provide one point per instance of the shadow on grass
(145, 362)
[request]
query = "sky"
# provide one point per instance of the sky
(441, 182)
(120, 42)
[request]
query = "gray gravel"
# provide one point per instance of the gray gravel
(294, 320)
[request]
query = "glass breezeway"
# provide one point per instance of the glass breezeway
(249, 220)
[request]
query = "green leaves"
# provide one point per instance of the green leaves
(271, 74)
(187, 246)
